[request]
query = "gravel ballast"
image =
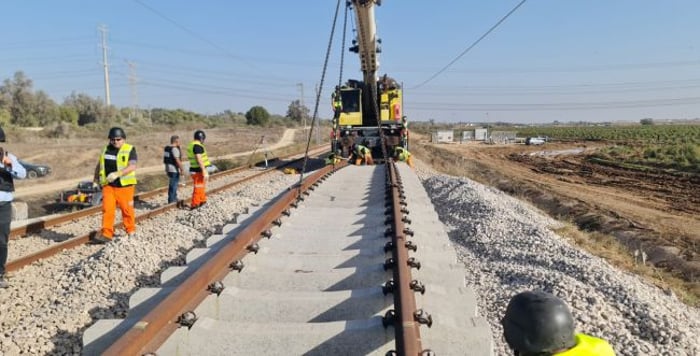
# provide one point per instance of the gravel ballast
(510, 248)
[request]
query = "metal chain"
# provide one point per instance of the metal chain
(318, 98)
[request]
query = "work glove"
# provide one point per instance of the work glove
(113, 176)
(212, 169)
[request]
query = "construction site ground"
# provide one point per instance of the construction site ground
(655, 213)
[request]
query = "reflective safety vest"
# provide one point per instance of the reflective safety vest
(361, 150)
(401, 153)
(191, 157)
(122, 162)
(588, 346)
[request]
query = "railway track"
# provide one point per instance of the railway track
(355, 263)
(147, 204)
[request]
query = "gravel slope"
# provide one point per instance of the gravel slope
(510, 248)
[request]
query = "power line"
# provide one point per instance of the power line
(424, 106)
(472, 45)
(194, 34)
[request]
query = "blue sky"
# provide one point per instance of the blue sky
(566, 60)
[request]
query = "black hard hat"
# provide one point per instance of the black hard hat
(199, 135)
(537, 322)
(116, 132)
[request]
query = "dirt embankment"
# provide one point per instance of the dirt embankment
(654, 213)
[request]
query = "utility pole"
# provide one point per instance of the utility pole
(103, 30)
(301, 103)
(134, 90)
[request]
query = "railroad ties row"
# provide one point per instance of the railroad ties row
(320, 284)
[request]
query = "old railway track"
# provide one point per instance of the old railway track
(219, 182)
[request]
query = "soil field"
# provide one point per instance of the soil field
(655, 213)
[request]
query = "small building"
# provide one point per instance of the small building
(443, 136)
(467, 136)
(481, 134)
(503, 136)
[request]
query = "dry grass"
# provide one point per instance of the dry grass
(608, 248)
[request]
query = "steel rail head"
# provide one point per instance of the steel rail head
(155, 326)
(406, 325)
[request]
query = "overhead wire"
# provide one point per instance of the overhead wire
(472, 45)
(194, 34)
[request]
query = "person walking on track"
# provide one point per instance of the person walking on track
(172, 158)
(10, 168)
(116, 173)
(199, 162)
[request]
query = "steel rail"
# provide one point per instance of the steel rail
(406, 327)
(40, 225)
(81, 240)
(155, 327)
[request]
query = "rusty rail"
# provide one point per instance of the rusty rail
(406, 325)
(155, 327)
(81, 240)
(40, 225)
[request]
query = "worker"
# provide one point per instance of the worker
(402, 154)
(10, 169)
(363, 155)
(337, 102)
(538, 323)
(199, 162)
(116, 174)
(172, 158)
(332, 159)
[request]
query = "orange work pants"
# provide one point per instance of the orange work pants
(199, 191)
(367, 159)
(123, 197)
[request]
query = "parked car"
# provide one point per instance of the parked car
(35, 170)
(534, 141)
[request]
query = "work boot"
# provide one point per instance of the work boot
(101, 239)
(3, 282)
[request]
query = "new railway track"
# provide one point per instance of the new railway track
(352, 261)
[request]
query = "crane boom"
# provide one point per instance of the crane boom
(368, 112)
(366, 44)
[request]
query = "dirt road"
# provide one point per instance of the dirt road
(84, 156)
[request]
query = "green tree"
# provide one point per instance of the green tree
(297, 112)
(18, 97)
(257, 115)
(646, 121)
(88, 108)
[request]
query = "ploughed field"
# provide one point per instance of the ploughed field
(653, 211)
